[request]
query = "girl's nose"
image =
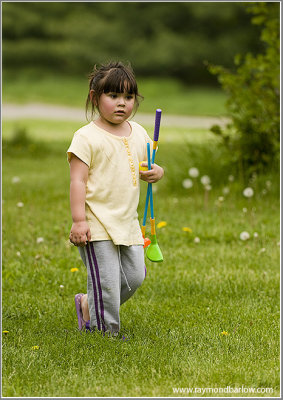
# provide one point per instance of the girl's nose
(121, 100)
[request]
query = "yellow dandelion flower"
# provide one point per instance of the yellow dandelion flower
(74, 269)
(187, 229)
(35, 347)
(161, 224)
(5, 332)
(224, 333)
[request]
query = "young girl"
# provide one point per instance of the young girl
(104, 158)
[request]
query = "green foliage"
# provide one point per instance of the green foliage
(160, 39)
(22, 144)
(254, 97)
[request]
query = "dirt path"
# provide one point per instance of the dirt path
(37, 110)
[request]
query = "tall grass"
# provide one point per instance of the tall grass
(175, 326)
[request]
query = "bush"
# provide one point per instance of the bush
(254, 97)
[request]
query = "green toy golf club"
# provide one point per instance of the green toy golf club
(153, 251)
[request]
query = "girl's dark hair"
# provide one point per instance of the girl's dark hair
(112, 77)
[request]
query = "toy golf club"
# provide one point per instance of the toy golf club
(155, 140)
(153, 252)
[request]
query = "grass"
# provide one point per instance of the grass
(168, 94)
(173, 325)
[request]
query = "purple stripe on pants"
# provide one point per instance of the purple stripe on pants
(94, 288)
(98, 285)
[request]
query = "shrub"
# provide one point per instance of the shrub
(254, 97)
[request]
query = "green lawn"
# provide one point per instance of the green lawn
(168, 94)
(174, 325)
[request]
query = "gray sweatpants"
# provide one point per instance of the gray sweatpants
(114, 273)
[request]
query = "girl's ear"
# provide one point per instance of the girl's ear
(92, 97)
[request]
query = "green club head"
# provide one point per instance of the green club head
(153, 251)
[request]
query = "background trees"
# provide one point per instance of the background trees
(253, 89)
(160, 39)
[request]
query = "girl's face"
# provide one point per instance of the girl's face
(115, 108)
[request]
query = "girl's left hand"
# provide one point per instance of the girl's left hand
(153, 175)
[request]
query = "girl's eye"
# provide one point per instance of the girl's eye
(113, 95)
(129, 97)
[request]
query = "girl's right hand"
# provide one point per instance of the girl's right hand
(80, 233)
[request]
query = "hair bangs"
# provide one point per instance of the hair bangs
(118, 81)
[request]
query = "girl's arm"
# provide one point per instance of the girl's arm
(80, 232)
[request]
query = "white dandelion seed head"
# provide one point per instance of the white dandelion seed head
(18, 253)
(255, 234)
(262, 250)
(208, 187)
(244, 235)
(205, 180)
(220, 199)
(226, 190)
(39, 240)
(194, 172)
(245, 210)
(187, 183)
(20, 204)
(16, 179)
(231, 178)
(268, 184)
(196, 239)
(61, 286)
(248, 192)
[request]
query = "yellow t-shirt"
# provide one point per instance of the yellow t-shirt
(113, 186)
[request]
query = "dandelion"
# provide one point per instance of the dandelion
(226, 190)
(35, 347)
(268, 184)
(187, 229)
(245, 210)
(18, 254)
(264, 192)
(194, 172)
(39, 240)
(74, 269)
(248, 192)
(231, 178)
(262, 250)
(16, 179)
(5, 332)
(255, 235)
(20, 204)
(244, 235)
(187, 183)
(205, 180)
(196, 239)
(175, 200)
(161, 224)
(61, 286)
(208, 187)
(224, 333)
(221, 199)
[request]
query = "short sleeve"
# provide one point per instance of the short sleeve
(80, 148)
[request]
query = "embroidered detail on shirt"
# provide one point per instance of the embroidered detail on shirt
(131, 162)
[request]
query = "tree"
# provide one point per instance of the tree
(254, 96)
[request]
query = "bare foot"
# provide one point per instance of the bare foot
(84, 307)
